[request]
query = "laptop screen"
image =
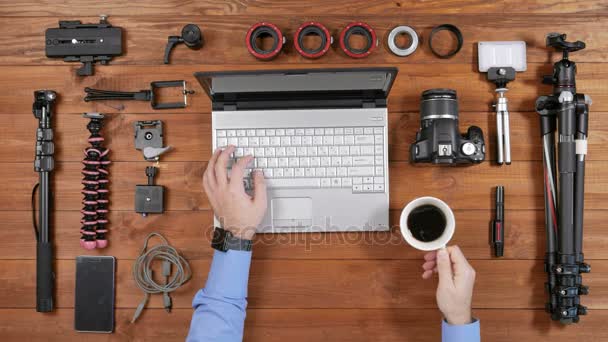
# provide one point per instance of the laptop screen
(298, 88)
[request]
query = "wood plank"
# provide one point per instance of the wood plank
(190, 232)
(323, 284)
(308, 325)
(353, 325)
(460, 187)
(313, 7)
(190, 136)
(146, 37)
(474, 92)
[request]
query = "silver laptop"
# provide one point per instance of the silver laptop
(319, 136)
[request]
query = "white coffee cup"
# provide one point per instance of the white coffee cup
(448, 232)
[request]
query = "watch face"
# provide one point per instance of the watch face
(219, 237)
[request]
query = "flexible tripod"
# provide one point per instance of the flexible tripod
(567, 112)
(44, 164)
(95, 187)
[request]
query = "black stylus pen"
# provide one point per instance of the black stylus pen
(498, 225)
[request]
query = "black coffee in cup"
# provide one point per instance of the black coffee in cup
(426, 223)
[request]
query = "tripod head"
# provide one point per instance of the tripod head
(564, 71)
(42, 108)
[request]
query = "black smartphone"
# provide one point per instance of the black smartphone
(94, 303)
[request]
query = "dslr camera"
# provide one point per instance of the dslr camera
(439, 140)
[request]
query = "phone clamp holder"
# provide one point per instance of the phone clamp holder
(191, 36)
(149, 139)
(142, 95)
(149, 197)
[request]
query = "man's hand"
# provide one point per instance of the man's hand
(238, 212)
(456, 280)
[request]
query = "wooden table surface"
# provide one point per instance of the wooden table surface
(315, 287)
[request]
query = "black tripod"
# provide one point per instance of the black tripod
(44, 164)
(568, 112)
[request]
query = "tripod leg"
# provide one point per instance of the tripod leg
(499, 136)
(507, 137)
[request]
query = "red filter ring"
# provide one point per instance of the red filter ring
(312, 27)
(261, 29)
(362, 29)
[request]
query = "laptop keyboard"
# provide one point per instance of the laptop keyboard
(338, 157)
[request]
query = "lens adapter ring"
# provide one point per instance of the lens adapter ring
(261, 29)
(402, 52)
(315, 28)
(452, 29)
(359, 28)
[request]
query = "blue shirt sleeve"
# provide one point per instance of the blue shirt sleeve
(219, 308)
(460, 333)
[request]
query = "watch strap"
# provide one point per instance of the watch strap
(223, 240)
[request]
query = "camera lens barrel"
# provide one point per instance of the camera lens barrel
(439, 104)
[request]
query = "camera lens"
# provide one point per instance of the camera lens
(439, 104)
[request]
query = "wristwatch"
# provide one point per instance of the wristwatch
(223, 240)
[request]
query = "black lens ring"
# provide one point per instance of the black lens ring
(312, 30)
(439, 93)
(359, 30)
(257, 33)
(455, 31)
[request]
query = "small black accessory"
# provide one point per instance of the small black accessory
(455, 31)
(361, 29)
(85, 43)
(191, 36)
(149, 197)
(316, 29)
(142, 95)
(438, 140)
(95, 187)
(566, 112)
(44, 164)
(170, 259)
(392, 45)
(149, 139)
(260, 31)
(498, 224)
(223, 240)
(94, 294)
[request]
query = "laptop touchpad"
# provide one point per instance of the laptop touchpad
(291, 212)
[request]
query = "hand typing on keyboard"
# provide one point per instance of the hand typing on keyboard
(238, 212)
(322, 157)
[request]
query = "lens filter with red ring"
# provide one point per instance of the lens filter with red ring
(358, 29)
(260, 32)
(312, 29)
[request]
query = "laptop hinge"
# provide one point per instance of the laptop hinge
(230, 106)
(369, 104)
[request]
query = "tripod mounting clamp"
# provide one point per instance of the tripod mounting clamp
(86, 43)
(149, 139)
(558, 41)
(501, 76)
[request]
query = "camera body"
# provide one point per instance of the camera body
(439, 140)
